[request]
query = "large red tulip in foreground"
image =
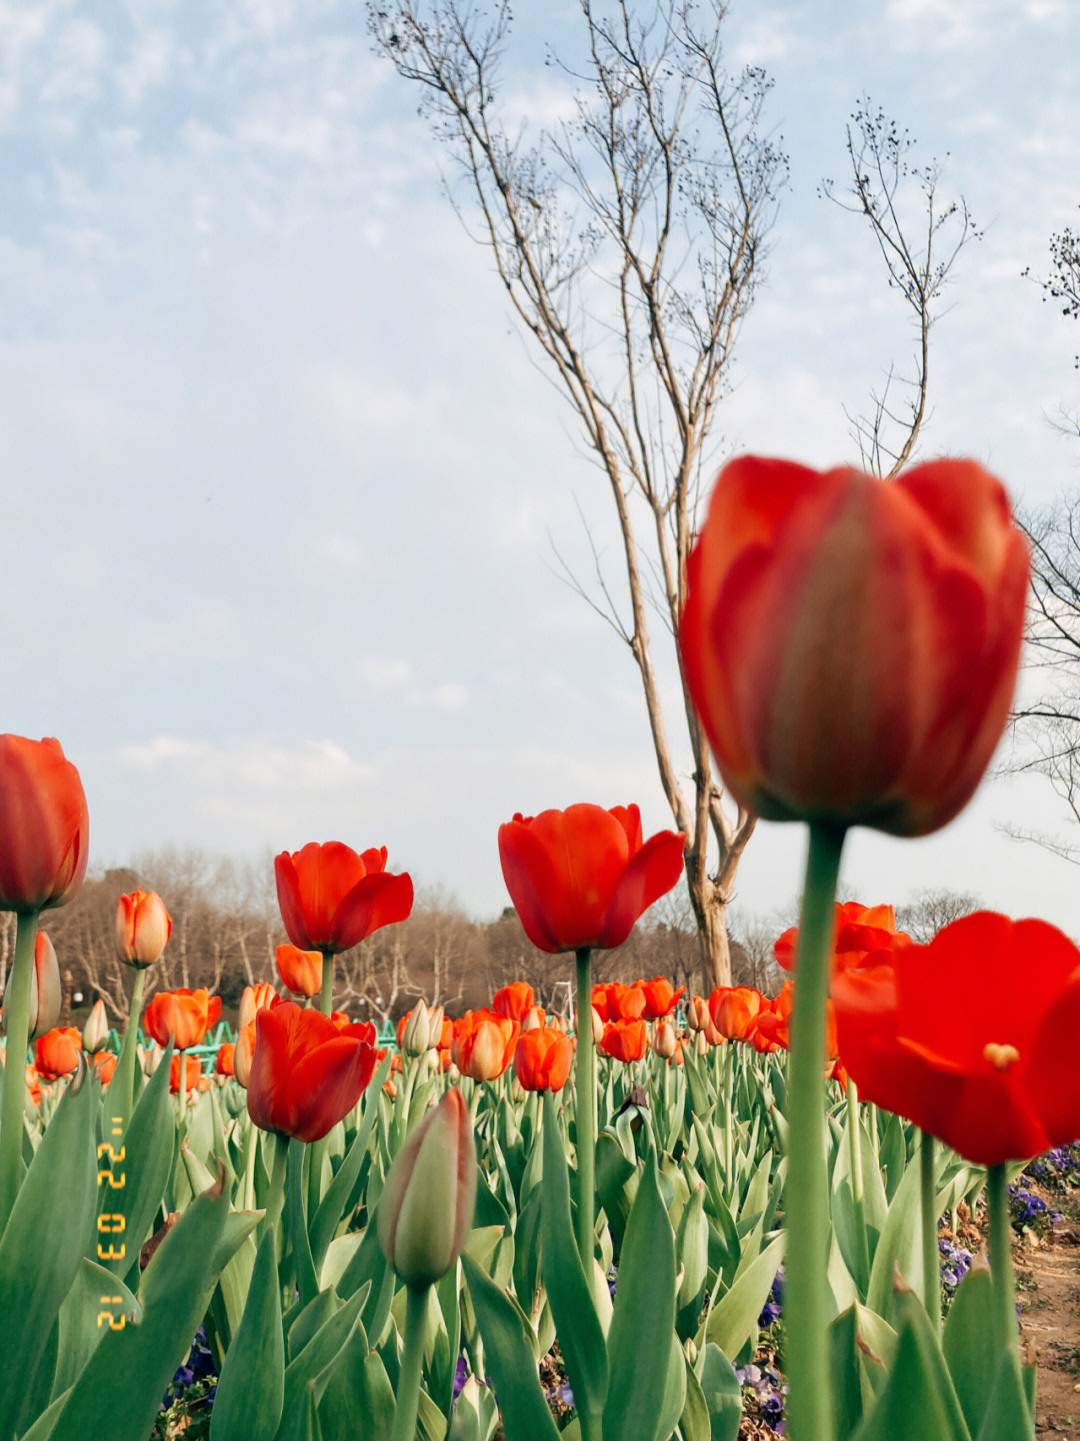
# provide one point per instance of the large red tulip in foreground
(851, 644)
(306, 1073)
(331, 897)
(44, 825)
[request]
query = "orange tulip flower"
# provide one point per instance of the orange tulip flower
(182, 1016)
(56, 1053)
(839, 615)
(861, 931)
(971, 1036)
(617, 1002)
(300, 970)
(625, 1040)
(513, 1001)
(580, 878)
(45, 996)
(660, 998)
(331, 897)
(484, 1046)
(733, 1010)
(223, 1061)
(244, 1050)
(542, 1059)
(255, 998)
(192, 1073)
(104, 1063)
(143, 928)
(44, 825)
(306, 1074)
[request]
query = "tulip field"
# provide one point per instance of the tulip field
(671, 1216)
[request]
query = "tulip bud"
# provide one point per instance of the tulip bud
(664, 1040)
(244, 1049)
(597, 1027)
(427, 1201)
(701, 1043)
(533, 1020)
(96, 1028)
(255, 998)
(44, 987)
(697, 1013)
(422, 1028)
(143, 928)
(151, 1059)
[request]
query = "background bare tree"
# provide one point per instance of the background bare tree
(922, 917)
(919, 238)
(629, 242)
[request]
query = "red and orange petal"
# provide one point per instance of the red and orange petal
(513, 1001)
(625, 1040)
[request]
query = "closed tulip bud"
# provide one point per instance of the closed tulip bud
(664, 1040)
(422, 1029)
(96, 1028)
(426, 1207)
(44, 987)
(151, 1059)
(597, 1026)
(143, 928)
(243, 1051)
(257, 998)
(300, 970)
(697, 1013)
(701, 1043)
(533, 1020)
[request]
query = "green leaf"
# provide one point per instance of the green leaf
(918, 1401)
(694, 1422)
(317, 1355)
(332, 1205)
(1007, 1415)
(969, 1348)
(643, 1321)
(509, 1359)
(257, 1349)
(898, 1247)
(722, 1392)
(120, 1390)
(43, 1243)
(861, 1346)
(581, 1337)
(733, 1320)
(692, 1254)
(148, 1143)
(81, 1329)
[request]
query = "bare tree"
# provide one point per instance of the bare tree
(629, 242)
(919, 238)
(925, 915)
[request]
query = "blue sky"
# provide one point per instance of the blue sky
(281, 480)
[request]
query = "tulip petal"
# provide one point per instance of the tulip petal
(289, 904)
(650, 874)
(324, 1084)
(376, 901)
(1052, 1077)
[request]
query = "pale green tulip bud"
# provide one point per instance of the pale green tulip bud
(44, 987)
(97, 1027)
(426, 1207)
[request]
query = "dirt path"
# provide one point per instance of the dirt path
(1048, 1288)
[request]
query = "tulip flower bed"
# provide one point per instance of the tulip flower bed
(549, 1235)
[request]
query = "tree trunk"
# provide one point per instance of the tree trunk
(710, 911)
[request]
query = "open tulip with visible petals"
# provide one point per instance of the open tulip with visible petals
(860, 931)
(182, 1016)
(513, 1000)
(57, 1052)
(660, 997)
(484, 1045)
(625, 1040)
(332, 897)
(253, 999)
(972, 1036)
(306, 1074)
(580, 878)
(734, 1009)
(851, 644)
(542, 1059)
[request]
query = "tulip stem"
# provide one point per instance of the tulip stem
(806, 1210)
(1001, 1268)
(585, 1086)
(275, 1197)
(17, 997)
(855, 1168)
(123, 1082)
(931, 1263)
(408, 1388)
(326, 995)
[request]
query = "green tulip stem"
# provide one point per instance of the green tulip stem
(326, 995)
(275, 1198)
(931, 1264)
(585, 1086)
(408, 1388)
(855, 1168)
(1001, 1268)
(123, 1082)
(806, 1209)
(17, 996)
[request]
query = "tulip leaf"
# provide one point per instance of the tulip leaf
(81, 1330)
(1008, 1417)
(613, 1176)
(918, 1401)
(642, 1325)
(257, 1349)
(861, 1346)
(317, 1354)
(43, 1243)
(296, 1210)
(733, 1320)
(694, 1422)
(120, 1389)
(722, 1393)
(898, 1246)
(509, 1359)
(302, 1424)
(148, 1143)
(581, 1337)
(358, 1399)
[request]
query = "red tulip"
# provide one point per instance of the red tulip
(331, 898)
(851, 644)
(617, 1002)
(143, 928)
(44, 825)
(223, 1061)
(192, 1073)
(580, 878)
(513, 1001)
(182, 1016)
(660, 998)
(300, 970)
(860, 931)
(625, 1040)
(542, 1059)
(971, 1036)
(56, 1053)
(104, 1063)
(734, 1009)
(306, 1074)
